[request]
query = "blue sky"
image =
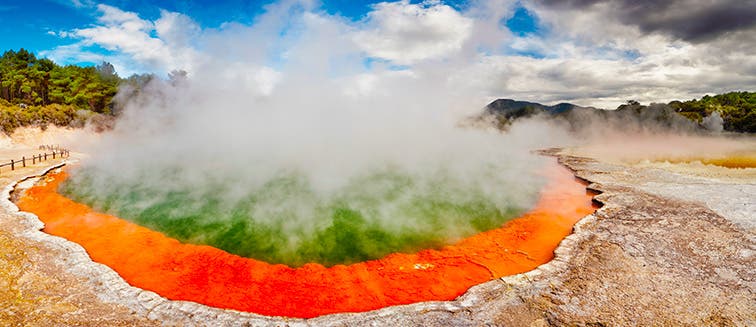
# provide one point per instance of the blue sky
(591, 52)
(25, 24)
(30, 24)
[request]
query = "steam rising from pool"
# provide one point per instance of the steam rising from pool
(286, 221)
(298, 213)
(303, 148)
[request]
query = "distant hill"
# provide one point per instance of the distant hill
(734, 112)
(512, 108)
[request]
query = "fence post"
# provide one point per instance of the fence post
(13, 165)
(53, 154)
(34, 159)
(23, 161)
(45, 156)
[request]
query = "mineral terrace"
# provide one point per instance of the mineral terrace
(673, 244)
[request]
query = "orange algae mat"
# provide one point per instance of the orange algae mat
(203, 274)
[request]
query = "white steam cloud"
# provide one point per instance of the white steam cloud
(313, 99)
(299, 93)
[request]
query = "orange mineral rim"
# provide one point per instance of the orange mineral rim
(152, 261)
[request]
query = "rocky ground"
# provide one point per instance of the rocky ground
(37, 286)
(666, 248)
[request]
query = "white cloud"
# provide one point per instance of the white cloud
(72, 53)
(407, 33)
(76, 3)
(112, 16)
(82, 3)
(131, 41)
(75, 53)
(589, 56)
(592, 58)
(176, 29)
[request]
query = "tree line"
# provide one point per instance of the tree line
(37, 92)
(30, 81)
(737, 109)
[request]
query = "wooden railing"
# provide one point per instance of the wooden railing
(56, 152)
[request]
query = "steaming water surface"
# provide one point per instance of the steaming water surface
(285, 220)
(203, 274)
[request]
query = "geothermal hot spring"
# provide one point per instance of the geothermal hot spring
(197, 249)
(330, 201)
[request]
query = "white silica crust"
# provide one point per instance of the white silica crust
(734, 201)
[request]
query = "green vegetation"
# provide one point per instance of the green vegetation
(38, 92)
(738, 109)
(286, 221)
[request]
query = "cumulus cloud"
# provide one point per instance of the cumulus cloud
(646, 64)
(76, 3)
(73, 52)
(598, 53)
(690, 20)
(406, 33)
(162, 45)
